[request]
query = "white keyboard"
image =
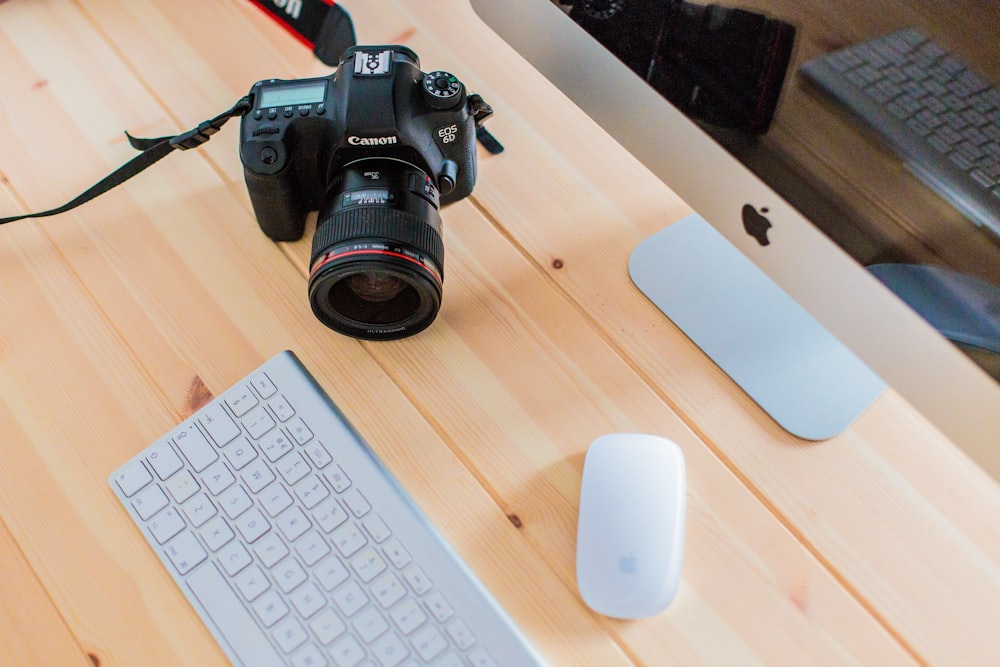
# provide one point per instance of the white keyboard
(940, 116)
(297, 547)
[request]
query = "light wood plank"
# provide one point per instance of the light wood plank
(911, 518)
(472, 314)
(83, 235)
(167, 285)
(34, 633)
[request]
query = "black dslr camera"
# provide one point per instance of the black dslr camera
(718, 65)
(377, 148)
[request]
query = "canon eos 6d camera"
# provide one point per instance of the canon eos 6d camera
(376, 148)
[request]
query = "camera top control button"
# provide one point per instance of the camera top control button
(320, 109)
(448, 176)
(442, 89)
(288, 112)
(258, 114)
(272, 114)
(268, 155)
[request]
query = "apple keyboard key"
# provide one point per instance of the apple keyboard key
(296, 546)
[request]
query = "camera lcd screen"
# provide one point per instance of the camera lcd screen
(290, 95)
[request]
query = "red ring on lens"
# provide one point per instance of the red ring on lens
(334, 255)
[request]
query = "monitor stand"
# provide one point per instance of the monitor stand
(793, 368)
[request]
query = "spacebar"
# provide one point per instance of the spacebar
(225, 611)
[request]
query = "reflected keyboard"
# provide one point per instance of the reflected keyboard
(296, 546)
(940, 116)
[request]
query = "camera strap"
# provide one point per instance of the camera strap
(327, 29)
(321, 25)
(153, 150)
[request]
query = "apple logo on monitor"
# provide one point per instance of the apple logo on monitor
(756, 224)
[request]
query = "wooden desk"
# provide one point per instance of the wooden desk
(879, 547)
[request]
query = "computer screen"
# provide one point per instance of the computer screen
(812, 254)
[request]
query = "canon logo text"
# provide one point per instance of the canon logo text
(371, 141)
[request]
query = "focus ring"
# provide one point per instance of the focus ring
(391, 225)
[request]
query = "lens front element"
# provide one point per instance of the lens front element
(377, 254)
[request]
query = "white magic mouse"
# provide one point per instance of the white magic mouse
(630, 537)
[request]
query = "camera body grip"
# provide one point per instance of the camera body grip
(276, 204)
(300, 134)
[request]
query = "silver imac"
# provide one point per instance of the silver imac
(940, 381)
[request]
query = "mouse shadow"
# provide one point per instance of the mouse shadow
(545, 513)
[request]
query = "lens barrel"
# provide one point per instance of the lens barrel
(377, 256)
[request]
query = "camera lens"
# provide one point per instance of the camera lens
(377, 257)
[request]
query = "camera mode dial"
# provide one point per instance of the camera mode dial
(602, 9)
(442, 90)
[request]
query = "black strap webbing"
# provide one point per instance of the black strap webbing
(153, 150)
(488, 141)
(321, 24)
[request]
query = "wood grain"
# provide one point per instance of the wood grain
(34, 633)
(122, 317)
